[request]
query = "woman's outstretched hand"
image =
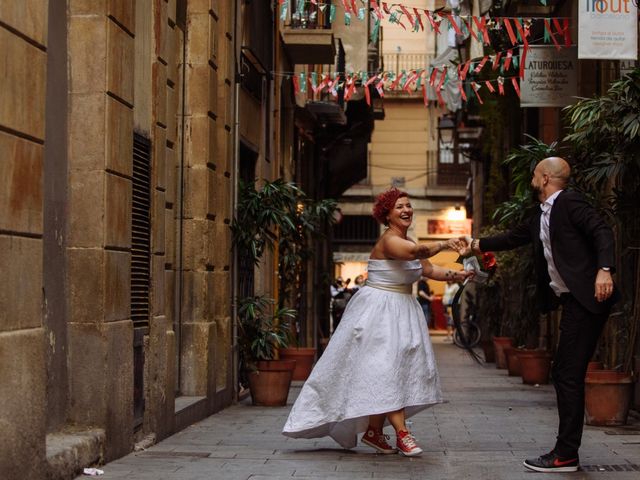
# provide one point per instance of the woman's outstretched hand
(462, 245)
(465, 249)
(464, 274)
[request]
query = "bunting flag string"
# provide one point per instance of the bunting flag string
(505, 60)
(416, 79)
(407, 82)
(399, 10)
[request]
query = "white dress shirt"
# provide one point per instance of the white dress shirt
(556, 284)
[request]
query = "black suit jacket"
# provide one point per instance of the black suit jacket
(581, 243)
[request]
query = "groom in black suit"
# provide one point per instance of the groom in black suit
(574, 259)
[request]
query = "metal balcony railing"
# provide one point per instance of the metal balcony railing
(397, 62)
(451, 174)
(310, 17)
(308, 36)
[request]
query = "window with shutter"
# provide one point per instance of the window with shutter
(140, 265)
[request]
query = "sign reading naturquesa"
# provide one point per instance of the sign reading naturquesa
(550, 77)
(608, 29)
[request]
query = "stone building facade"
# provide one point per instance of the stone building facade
(117, 173)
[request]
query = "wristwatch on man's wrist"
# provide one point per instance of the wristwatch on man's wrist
(475, 245)
(606, 269)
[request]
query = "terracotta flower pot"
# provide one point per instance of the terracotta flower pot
(535, 366)
(488, 350)
(323, 345)
(304, 358)
(607, 397)
(498, 344)
(513, 361)
(595, 366)
(269, 384)
(636, 393)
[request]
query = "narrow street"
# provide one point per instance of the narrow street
(489, 425)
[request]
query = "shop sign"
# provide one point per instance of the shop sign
(550, 77)
(448, 228)
(608, 29)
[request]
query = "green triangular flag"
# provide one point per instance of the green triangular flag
(374, 31)
(283, 10)
(303, 82)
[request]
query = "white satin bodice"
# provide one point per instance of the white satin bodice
(394, 272)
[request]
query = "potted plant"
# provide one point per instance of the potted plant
(280, 217)
(295, 250)
(520, 321)
(535, 366)
(604, 132)
(607, 397)
(264, 328)
(513, 361)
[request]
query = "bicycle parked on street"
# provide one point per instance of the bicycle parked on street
(466, 332)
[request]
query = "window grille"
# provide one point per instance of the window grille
(140, 232)
(356, 229)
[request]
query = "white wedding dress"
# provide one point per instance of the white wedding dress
(379, 360)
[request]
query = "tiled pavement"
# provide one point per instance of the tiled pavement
(490, 423)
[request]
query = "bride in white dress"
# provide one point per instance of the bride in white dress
(379, 365)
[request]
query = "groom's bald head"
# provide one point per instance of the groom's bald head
(557, 169)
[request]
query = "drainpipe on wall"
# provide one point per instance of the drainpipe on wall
(179, 284)
(234, 192)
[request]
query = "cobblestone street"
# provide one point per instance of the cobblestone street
(489, 425)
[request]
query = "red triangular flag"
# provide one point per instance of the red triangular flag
(453, 23)
(475, 87)
(514, 82)
(496, 61)
(415, 11)
(489, 86)
(434, 25)
(512, 35)
(547, 25)
(462, 94)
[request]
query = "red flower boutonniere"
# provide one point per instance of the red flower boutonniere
(489, 262)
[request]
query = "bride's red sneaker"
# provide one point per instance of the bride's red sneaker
(407, 444)
(378, 440)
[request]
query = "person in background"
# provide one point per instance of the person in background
(425, 297)
(450, 290)
(337, 287)
(358, 283)
(340, 295)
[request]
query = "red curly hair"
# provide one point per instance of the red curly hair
(385, 202)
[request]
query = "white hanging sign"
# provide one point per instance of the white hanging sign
(550, 77)
(607, 29)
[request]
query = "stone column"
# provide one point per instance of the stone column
(160, 346)
(206, 333)
(101, 72)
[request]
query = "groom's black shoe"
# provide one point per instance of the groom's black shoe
(552, 462)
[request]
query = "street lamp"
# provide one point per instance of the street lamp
(446, 131)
